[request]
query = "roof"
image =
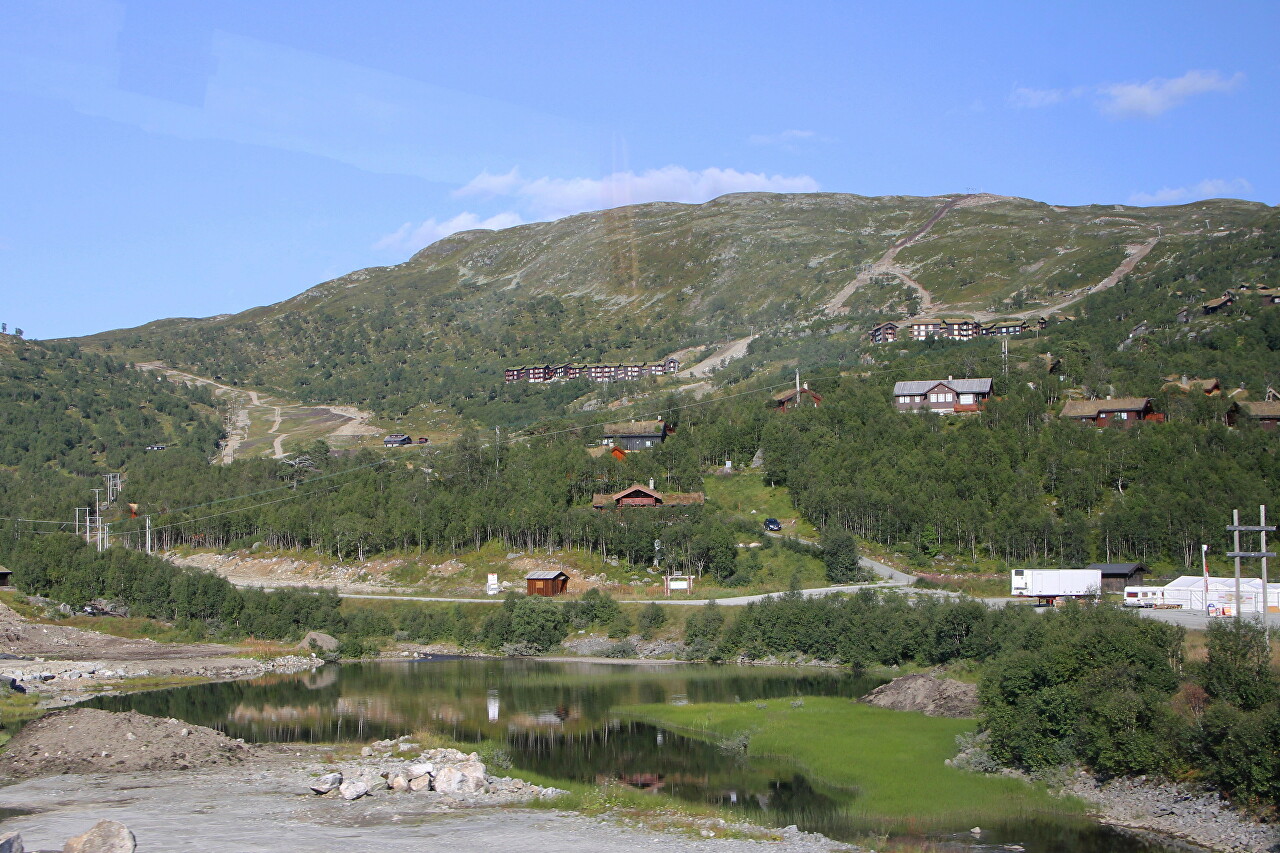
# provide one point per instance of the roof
(635, 428)
(1182, 383)
(960, 386)
(1118, 568)
(920, 321)
(1220, 301)
(1261, 409)
(1093, 408)
(784, 396)
(544, 575)
(663, 498)
(885, 325)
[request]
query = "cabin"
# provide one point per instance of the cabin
(1125, 411)
(1209, 387)
(795, 398)
(424, 440)
(396, 439)
(635, 435)
(546, 583)
(157, 446)
(1265, 412)
(1213, 306)
(1117, 576)
(638, 495)
(6, 577)
(960, 328)
(884, 333)
(945, 396)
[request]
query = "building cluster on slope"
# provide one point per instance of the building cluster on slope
(1264, 295)
(591, 372)
(949, 328)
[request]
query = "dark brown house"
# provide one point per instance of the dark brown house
(546, 583)
(1125, 411)
(884, 333)
(1266, 413)
(785, 401)
(638, 495)
(6, 577)
(1116, 576)
(635, 435)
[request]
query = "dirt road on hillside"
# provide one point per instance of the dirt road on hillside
(247, 408)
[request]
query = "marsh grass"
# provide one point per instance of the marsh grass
(889, 763)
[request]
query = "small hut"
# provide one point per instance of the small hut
(546, 583)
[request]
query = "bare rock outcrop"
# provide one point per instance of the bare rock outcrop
(936, 697)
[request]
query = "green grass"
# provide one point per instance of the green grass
(740, 493)
(891, 761)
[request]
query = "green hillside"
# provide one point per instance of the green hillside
(640, 282)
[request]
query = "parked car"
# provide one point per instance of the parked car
(772, 524)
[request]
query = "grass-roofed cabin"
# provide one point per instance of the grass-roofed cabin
(546, 583)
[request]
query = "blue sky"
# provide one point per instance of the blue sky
(166, 159)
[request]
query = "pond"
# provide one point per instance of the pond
(558, 719)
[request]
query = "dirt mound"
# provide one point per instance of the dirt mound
(937, 697)
(86, 740)
(62, 642)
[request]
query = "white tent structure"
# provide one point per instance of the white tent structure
(1189, 593)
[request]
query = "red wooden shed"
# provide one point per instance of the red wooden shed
(546, 583)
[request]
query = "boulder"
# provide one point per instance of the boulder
(418, 769)
(322, 641)
(353, 790)
(107, 836)
(465, 778)
(398, 780)
(422, 783)
(11, 843)
(327, 783)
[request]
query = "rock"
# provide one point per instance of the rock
(327, 783)
(323, 642)
(366, 751)
(11, 843)
(353, 790)
(398, 780)
(419, 769)
(107, 836)
(453, 780)
(422, 783)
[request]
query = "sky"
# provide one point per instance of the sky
(166, 159)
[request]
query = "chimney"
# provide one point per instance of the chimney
(650, 482)
(948, 377)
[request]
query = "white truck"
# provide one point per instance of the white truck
(1049, 585)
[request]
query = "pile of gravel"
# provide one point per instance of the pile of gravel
(936, 697)
(86, 740)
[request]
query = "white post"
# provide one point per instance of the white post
(148, 534)
(1204, 564)
(1235, 522)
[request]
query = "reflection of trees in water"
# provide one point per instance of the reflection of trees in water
(467, 698)
(648, 758)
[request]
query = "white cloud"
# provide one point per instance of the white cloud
(1158, 96)
(487, 184)
(413, 237)
(1208, 188)
(1028, 98)
(552, 198)
(786, 139)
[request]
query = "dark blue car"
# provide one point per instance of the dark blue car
(772, 524)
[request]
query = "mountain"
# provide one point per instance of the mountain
(637, 283)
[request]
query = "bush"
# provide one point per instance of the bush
(840, 555)
(651, 619)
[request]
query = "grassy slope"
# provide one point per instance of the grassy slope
(893, 760)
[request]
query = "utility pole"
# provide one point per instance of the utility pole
(1261, 528)
(1004, 354)
(148, 534)
(113, 486)
(497, 441)
(97, 517)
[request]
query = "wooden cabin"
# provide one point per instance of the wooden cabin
(546, 583)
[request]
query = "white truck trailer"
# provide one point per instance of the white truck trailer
(1049, 585)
